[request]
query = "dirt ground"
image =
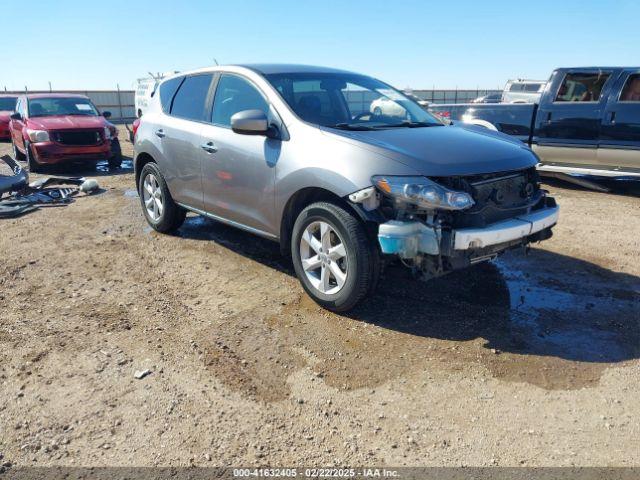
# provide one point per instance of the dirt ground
(528, 361)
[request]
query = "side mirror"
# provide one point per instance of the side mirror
(15, 116)
(250, 122)
(106, 114)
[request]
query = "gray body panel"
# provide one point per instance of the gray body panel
(239, 177)
(248, 180)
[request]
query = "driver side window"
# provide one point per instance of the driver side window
(235, 94)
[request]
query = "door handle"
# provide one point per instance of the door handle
(549, 117)
(612, 119)
(160, 133)
(209, 147)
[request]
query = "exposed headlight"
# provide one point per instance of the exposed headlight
(37, 136)
(107, 133)
(422, 192)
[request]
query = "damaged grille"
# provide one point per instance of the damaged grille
(78, 137)
(497, 196)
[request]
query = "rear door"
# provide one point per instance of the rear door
(180, 139)
(568, 122)
(620, 134)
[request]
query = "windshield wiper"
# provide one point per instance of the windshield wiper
(351, 126)
(409, 124)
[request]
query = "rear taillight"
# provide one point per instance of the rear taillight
(134, 127)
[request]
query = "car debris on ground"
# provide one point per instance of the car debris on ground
(23, 197)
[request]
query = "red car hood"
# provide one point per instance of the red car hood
(5, 117)
(66, 122)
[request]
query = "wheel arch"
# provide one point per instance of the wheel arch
(141, 160)
(299, 201)
(481, 123)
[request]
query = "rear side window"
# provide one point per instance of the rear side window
(582, 87)
(167, 91)
(235, 94)
(631, 90)
(191, 100)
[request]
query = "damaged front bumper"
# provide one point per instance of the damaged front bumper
(438, 250)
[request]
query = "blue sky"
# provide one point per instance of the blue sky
(78, 44)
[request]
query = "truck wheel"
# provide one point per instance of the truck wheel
(34, 166)
(116, 155)
(333, 257)
(161, 212)
(16, 153)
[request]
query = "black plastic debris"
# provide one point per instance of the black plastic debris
(16, 180)
(18, 197)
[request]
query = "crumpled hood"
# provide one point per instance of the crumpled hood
(445, 151)
(66, 122)
(5, 117)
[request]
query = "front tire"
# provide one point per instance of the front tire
(161, 212)
(116, 155)
(34, 166)
(333, 257)
(16, 153)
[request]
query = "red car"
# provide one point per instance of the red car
(52, 128)
(7, 107)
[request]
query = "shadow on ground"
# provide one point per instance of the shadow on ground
(543, 304)
(100, 169)
(623, 186)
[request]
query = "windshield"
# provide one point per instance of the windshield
(44, 107)
(7, 104)
(349, 101)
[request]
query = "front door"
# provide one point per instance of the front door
(568, 120)
(620, 135)
(239, 170)
(17, 126)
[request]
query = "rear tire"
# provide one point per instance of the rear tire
(334, 258)
(161, 212)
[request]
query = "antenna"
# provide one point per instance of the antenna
(216, 62)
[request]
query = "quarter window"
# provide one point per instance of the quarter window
(582, 87)
(235, 94)
(191, 100)
(631, 90)
(167, 91)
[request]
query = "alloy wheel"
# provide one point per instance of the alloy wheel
(152, 197)
(324, 257)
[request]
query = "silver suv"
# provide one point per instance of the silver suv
(296, 154)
